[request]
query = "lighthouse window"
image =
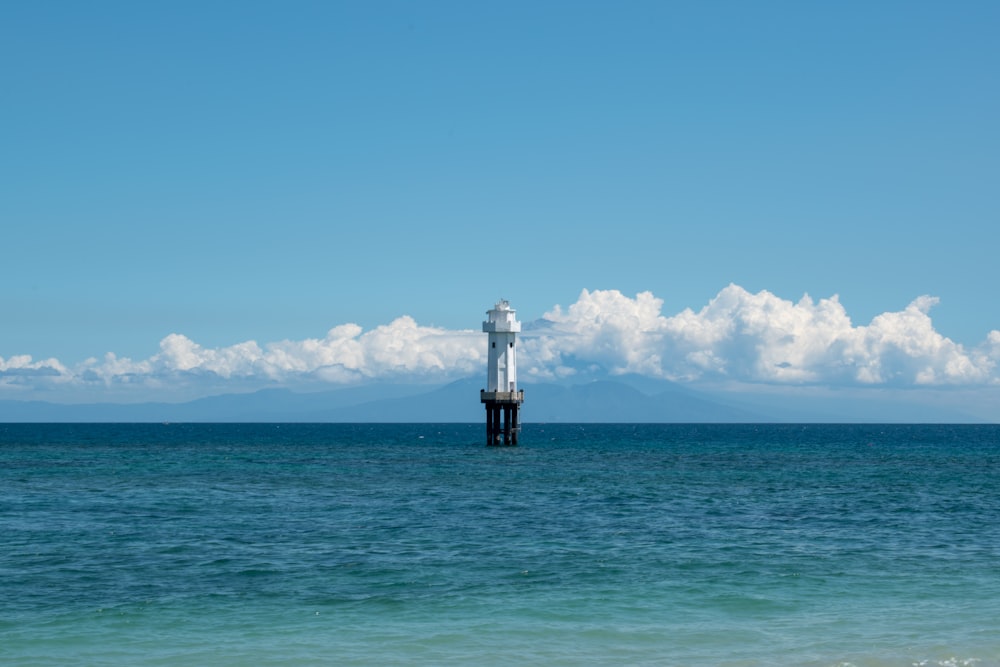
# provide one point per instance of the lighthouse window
(512, 344)
(494, 344)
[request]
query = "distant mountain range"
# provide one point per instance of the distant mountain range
(621, 399)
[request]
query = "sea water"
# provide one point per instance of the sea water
(281, 544)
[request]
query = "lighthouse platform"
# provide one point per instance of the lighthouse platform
(503, 423)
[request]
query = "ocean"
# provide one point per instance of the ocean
(374, 544)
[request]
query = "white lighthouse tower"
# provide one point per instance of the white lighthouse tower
(501, 395)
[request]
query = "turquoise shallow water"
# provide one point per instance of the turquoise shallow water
(738, 545)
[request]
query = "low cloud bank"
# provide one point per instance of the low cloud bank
(737, 336)
(758, 338)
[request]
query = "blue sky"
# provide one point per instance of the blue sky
(266, 172)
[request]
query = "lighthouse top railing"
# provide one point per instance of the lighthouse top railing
(502, 319)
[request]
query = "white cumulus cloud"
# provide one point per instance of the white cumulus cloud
(23, 366)
(401, 349)
(738, 335)
(754, 337)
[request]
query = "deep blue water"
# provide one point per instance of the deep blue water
(416, 544)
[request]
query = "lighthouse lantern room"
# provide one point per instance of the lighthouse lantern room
(501, 396)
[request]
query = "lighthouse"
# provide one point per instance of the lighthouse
(501, 396)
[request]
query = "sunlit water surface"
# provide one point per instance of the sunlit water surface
(737, 545)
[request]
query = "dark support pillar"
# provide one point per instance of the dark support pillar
(516, 424)
(496, 425)
(506, 424)
(489, 424)
(503, 419)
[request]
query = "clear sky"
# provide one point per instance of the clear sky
(266, 172)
